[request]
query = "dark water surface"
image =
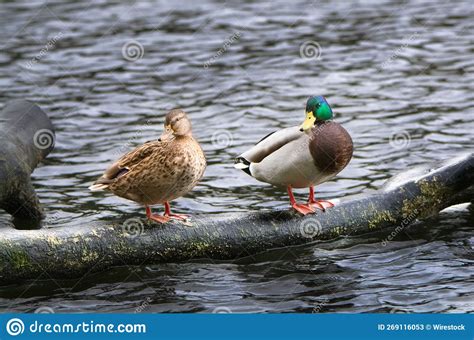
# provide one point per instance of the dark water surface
(398, 75)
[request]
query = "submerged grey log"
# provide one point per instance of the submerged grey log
(72, 252)
(26, 137)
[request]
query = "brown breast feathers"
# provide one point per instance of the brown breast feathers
(330, 146)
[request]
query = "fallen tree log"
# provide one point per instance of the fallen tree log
(72, 252)
(26, 137)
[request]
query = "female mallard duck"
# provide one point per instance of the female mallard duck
(301, 157)
(158, 171)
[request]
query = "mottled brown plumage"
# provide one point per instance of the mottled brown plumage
(158, 171)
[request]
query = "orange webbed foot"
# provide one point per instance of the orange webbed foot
(303, 208)
(156, 217)
(320, 204)
(179, 217)
(159, 218)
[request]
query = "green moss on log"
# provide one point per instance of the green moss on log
(379, 217)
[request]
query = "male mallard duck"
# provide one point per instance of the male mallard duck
(301, 157)
(158, 171)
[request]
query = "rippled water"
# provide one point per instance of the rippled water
(399, 77)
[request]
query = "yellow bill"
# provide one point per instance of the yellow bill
(308, 122)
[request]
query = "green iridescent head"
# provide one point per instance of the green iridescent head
(317, 109)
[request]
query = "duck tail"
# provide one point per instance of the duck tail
(242, 164)
(101, 184)
(113, 172)
(98, 187)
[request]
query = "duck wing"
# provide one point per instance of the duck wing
(125, 163)
(270, 144)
